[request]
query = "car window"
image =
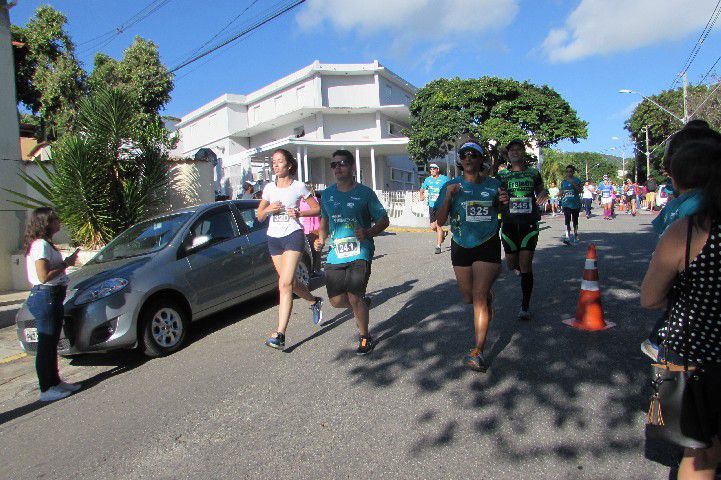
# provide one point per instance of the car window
(250, 219)
(217, 224)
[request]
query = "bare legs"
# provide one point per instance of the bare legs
(286, 265)
(700, 464)
(475, 283)
(359, 307)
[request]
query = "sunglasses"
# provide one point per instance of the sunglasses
(470, 154)
(342, 163)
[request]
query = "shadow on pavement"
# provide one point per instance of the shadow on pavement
(576, 379)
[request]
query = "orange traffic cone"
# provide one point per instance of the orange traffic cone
(589, 313)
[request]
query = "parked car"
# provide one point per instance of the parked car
(149, 283)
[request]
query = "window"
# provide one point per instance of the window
(395, 129)
(216, 225)
(299, 132)
(389, 91)
(249, 219)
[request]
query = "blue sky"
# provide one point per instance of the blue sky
(586, 49)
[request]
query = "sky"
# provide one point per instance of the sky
(587, 50)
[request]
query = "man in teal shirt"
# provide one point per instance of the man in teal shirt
(433, 185)
(351, 215)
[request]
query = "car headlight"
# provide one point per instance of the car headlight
(101, 290)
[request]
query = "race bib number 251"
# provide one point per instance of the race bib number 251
(478, 211)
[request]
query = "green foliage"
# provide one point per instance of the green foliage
(555, 162)
(49, 80)
(494, 109)
(111, 174)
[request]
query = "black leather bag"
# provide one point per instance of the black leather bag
(673, 410)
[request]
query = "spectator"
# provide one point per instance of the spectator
(247, 191)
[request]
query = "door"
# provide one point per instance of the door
(217, 258)
(264, 272)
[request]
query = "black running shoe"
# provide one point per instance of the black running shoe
(365, 345)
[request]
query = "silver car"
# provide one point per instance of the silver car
(147, 285)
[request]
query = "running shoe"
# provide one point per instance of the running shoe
(277, 340)
(70, 387)
(54, 393)
(576, 238)
(524, 315)
(365, 345)
(438, 250)
(315, 310)
(475, 361)
(650, 349)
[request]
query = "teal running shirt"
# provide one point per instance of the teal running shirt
(433, 187)
(570, 198)
(345, 211)
(474, 211)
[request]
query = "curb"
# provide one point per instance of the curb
(12, 358)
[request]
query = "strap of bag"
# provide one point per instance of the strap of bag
(689, 233)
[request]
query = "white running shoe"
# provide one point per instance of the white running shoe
(70, 387)
(54, 393)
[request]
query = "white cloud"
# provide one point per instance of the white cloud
(430, 56)
(411, 21)
(607, 26)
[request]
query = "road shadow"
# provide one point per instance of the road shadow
(537, 366)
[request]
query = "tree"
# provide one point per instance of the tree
(493, 109)
(109, 175)
(140, 74)
(49, 80)
(554, 165)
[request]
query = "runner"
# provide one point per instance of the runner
(433, 185)
(630, 193)
(571, 188)
(351, 215)
(553, 198)
(519, 231)
(286, 241)
(471, 202)
(606, 191)
(588, 192)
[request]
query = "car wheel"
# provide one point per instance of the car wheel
(302, 273)
(164, 328)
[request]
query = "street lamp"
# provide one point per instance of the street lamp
(685, 114)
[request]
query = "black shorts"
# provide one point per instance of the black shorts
(347, 278)
(293, 241)
(519, 236)
(432, 212)
(489, 251)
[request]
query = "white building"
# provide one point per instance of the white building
(312, 112)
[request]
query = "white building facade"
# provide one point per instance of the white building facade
(321, 108)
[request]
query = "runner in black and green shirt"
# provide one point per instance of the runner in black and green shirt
(519, 232)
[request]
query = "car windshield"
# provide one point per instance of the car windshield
(142, 238)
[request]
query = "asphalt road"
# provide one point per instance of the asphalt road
(556, 403)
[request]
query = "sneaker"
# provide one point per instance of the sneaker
(316, 312)
(277, 340)
(365, 345)
(70, 387)
(650, 349)
(576, 238)
(438, 250)
(524, 315)
(475, 361)
(54, 393)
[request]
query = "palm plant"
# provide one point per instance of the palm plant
(113, 173)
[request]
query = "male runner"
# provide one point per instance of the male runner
(351, 215)
(606, 191)
(519, 232)
(433, 185)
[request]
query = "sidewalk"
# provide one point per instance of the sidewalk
(10, 303)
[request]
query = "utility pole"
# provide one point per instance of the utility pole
(685, 97)
(648, 155)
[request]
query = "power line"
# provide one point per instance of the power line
(269, 17)
(710, 70)
(217, 34)
(697, 47)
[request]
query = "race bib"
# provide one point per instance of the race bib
(606, 193)
(520, 205)
(478, 211)
(281, 217)
(346, 247)
(568, 194)
(432, 197)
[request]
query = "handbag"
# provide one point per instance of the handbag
(674, 391)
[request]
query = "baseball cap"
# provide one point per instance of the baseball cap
(515, 141)
(433, 165)
(472, 146)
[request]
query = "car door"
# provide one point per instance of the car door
(263, 269)
(216, 256)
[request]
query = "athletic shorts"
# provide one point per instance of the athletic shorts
(519, 236)
(349, 277)
(554, 201)
(293, 241)
(432, 211)
(489, 251)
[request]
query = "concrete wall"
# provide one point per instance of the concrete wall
(350, 127)
(298, 95)
(349, 91)
(11, 216)
(393, 94)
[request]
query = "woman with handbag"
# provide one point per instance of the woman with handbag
(686, 409)
(46, 273)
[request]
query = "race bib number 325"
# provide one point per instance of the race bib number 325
(347, 247)
(478, 211)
